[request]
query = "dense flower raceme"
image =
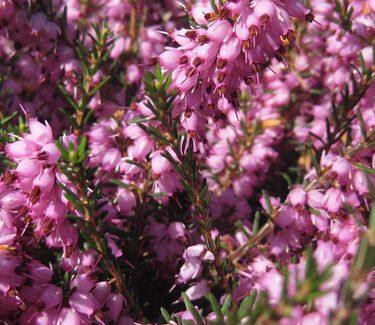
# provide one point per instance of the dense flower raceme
(36, 156)
(33, 209)
(42, 47)
(239, 38)
(251, 168)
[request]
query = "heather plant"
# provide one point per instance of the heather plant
(195, 162)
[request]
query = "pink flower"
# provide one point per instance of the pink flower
(45, 317)
(360, 182)
(272, 283)
(68, 316)
(333, 200)
(115, 304)
(116, 251)
(194, 255)
(52, 296)
(342, 168)
(111, 159)
(286, 217)
(198, 290)
(40, 133)
(170, 59)
(125, 200)
(297, 197)
(324, 255)
(82, 303)
(227, 53)
(314, 318)
(159, 164)
(176, 230)
(315, 199)
(190, 270)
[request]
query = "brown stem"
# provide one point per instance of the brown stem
(252, 242)
(204, 226)
(107, 258)
(79, 120)
(133, 27)
(217, 259)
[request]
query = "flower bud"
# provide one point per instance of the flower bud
(297, 197)
(324, 254)
(342, 168)
(360, 182)
(333, 200)
(28, 168)
(68, 316)
(286, 217)
(197, 290)
(12, 200)
(231, 49)
(176, 230)
(170, 59)
(82, 303)
(115, 304)
(56, 210)
(315, 199)
(125, 200)
(159, 164)
(20, 149)
(219, 31)
(52, 296)
(198, 13)
(264, 10)
(111, 158)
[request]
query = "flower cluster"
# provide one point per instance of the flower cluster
(197, 162)
(33, 211)
(229, 46)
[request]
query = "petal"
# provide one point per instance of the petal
(82, 303)
(68, 316)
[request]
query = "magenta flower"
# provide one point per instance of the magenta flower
(248, 98)
(297, 197)
(333, 200)
(240, 38)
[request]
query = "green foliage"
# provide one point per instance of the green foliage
(91, 59)
(6, 131)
